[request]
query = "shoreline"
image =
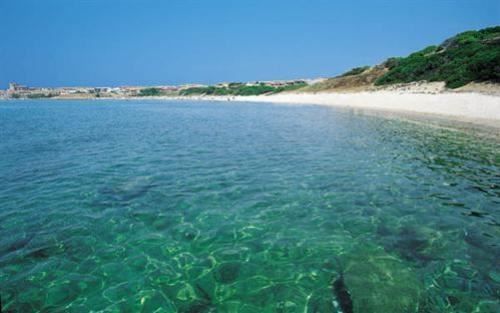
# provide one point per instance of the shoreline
(474, 107)
(469, 107)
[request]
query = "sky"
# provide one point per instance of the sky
(169, 42)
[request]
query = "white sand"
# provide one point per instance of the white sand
(429, 98)
(464, 105)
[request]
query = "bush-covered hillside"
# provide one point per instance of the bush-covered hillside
(357, 79)
(355, 71)
(467, 57)
(239, 89)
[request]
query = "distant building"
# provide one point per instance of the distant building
(14, 87)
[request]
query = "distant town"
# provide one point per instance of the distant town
(19, 91)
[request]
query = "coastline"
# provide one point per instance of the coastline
(471, 111)
(468, 106)
(473, 107)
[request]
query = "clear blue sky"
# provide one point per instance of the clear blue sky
(128, 42)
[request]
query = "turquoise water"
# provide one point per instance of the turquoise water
(125, 206)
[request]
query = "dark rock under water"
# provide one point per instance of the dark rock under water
(18, 244)
(407, 242)
(342, 295)
(227, 273)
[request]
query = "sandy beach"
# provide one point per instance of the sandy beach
(469, 106)
(477, 106)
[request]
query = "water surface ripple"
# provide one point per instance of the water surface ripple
(215, 207)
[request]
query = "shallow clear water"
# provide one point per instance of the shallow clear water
(216, 207)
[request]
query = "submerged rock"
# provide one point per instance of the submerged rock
(18, 244)
(379, 282)
(197, 307)
(227, 272)
(407, 242)
(342, 294)
(40, 253)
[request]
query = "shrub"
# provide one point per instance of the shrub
(469, 56)
(41, 95)
(150, 92)
(355, 71)
(239, 89)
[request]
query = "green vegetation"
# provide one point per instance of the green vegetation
(41, 95)
(150, 92)
(231, 89)
(355, 71)
(294, 86)
(239, 89)
(467, 57)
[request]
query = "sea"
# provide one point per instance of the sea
(200, 206)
